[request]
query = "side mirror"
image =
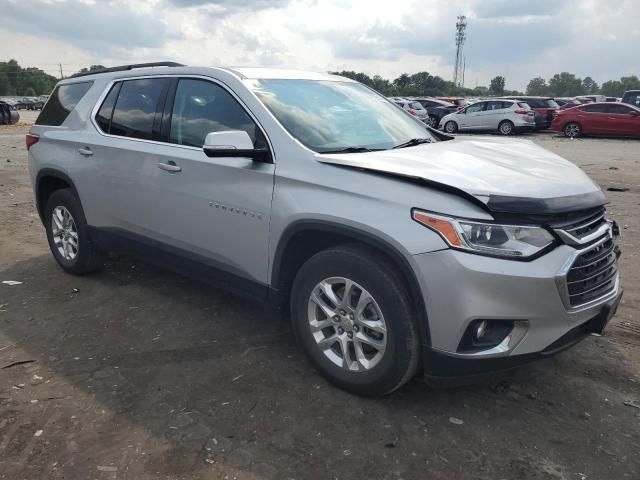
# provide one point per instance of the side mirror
(233, 143)
(634, 113)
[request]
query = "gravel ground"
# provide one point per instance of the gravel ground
(138, 373)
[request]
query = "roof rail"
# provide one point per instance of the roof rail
(123, 68)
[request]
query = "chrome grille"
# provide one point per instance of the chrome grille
(593, 274)
(587, 226)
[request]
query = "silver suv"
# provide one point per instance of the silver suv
(504, 116)
(395, 248)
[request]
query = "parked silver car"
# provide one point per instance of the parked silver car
(413, 107)
(504, 116)
(394, 248)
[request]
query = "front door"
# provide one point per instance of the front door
(471, 118)
(215, 209)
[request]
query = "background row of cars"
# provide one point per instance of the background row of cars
(573, 116)
(25, 103)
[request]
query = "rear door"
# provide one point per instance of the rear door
(216, 210)
(117, 165)
(492, 115)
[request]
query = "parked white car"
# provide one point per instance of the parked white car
(502, 115)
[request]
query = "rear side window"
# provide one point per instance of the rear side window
(136, 107)
(524, 105)
(63, 100)
(103, 118)
(202, 107)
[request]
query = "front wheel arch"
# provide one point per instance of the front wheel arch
(291, 253)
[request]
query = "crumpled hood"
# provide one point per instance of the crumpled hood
(485, 167)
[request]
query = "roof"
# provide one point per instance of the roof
(281, 73)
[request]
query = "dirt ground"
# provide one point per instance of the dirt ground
(138, 373)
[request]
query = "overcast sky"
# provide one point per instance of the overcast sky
(519, 39)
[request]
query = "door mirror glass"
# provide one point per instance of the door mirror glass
(232, 143)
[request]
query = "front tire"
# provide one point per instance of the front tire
(572, 130)
(451, 127)
(68, 235)
(433, 121)
(506, 127)
(354, 320)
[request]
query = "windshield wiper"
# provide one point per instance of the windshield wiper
(413, 142)
(352, 150)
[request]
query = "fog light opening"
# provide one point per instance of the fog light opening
(484, 334)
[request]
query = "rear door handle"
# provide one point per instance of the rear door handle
(86, 151)
(170, 167)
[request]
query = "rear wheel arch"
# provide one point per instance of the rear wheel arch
(48, 181)
(303, 239)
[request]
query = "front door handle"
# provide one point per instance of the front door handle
(170, 166)
(86, 151)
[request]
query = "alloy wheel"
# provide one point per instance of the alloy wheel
(65, 233)
(572, 130)
(347, 324)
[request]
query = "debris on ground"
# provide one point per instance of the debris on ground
(38, 433)
(617, 189)
(632, 403)
(455, 421)
(11, 282)
(16, 363)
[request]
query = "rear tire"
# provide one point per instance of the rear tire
(572, 130)
(374, 324)
(506, 127)
(68, 235)
(433, 121)
(451, 127)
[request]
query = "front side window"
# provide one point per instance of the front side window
(103, 118)
(201, 107)
(595, 108)
(329, 116)
(136, 107)
(618, 109)
(63, 100)
(478, 107)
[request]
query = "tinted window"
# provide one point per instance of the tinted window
(551, 103)
(524, 105)
(103, 118)
(202, 107)
(595, 108)
(621, 109)
(136, 108)
(63, 100)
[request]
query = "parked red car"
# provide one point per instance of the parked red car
(602, 118)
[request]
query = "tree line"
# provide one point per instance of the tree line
(31, 81)
(562, 84)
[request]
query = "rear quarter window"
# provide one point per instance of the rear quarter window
(524, 105)
(62, 102)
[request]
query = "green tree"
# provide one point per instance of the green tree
(496, 86)
(612, 88)
(589, 85)
(630, 83)
(565, 84)
(29, 92)
(92, 68)
(537, 86)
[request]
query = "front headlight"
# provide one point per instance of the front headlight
(512, 241)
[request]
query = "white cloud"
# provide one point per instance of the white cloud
(518, 39)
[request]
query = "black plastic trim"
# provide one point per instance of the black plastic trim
(367, 238)
(124, 68)
(181, 261)
(51, 172)
(538, 206)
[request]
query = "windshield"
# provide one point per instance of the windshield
(328, 116)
